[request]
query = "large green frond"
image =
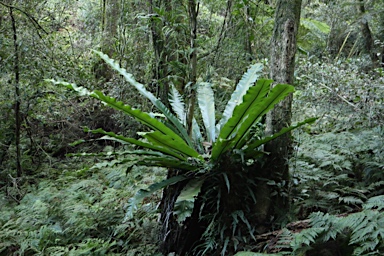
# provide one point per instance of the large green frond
(143, 117)
(258, 109)
(180, 147)
(155, 101)
(255, 104)
(248, 80)
(125, 140)
(250, 150)
(206, 101)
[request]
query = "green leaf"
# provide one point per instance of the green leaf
(142, 193)
(315, 25)
(177, 104)
(155, 101)
(143, 117)
(259, 108)
(168, 162)
(248, 80)
(185, 201)
(123, 139)
(77, 142)
(206, 101)
(254, 106)
(157, 138)
(249, 151)
(81, 90)
(197, 136)
(168, 135)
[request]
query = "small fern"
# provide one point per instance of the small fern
(363, 230)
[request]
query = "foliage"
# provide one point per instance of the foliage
(61, 206)
(43, 32)
(81, 213)
(360, 233)
(337, 172)
(345, 97)
(170, 145)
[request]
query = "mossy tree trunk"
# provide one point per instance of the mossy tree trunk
(282, 65)
(168, 38)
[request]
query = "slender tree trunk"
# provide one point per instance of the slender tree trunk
(367, 35)
(16, 71)
(161, 55)
(109, 24)
(248, 29)
(193, 10)
(282, 64)
(175, 237)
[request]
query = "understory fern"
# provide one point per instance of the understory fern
(360, 233)
(81, 214)
(335, 173)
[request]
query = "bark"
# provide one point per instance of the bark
(158, 42)
(193, 10)
(176, 237)
(165, 47)
(283, 49)
(367, 35)
(171, 232)
(18, 118)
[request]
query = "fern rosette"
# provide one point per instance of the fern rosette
(168, 143)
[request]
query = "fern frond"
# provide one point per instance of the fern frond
(248, 80)
(155, 101)
(376, 202)
(177, 104)
(206, 101)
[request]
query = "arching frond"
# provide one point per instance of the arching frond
(248, 80)
(206, 101)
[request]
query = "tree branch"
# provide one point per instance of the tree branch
(30, 17)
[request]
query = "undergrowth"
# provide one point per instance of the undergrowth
(337, 182)
(81, 213)
(336, 173)
(360, 233)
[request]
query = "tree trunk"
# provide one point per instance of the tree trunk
(282, 63)
(158, 41)
(367, 35)
(166, 46)
(18, 118)
(193, 10)
(175, 237)
(109, 24)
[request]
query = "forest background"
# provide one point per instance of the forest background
(62, 192)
